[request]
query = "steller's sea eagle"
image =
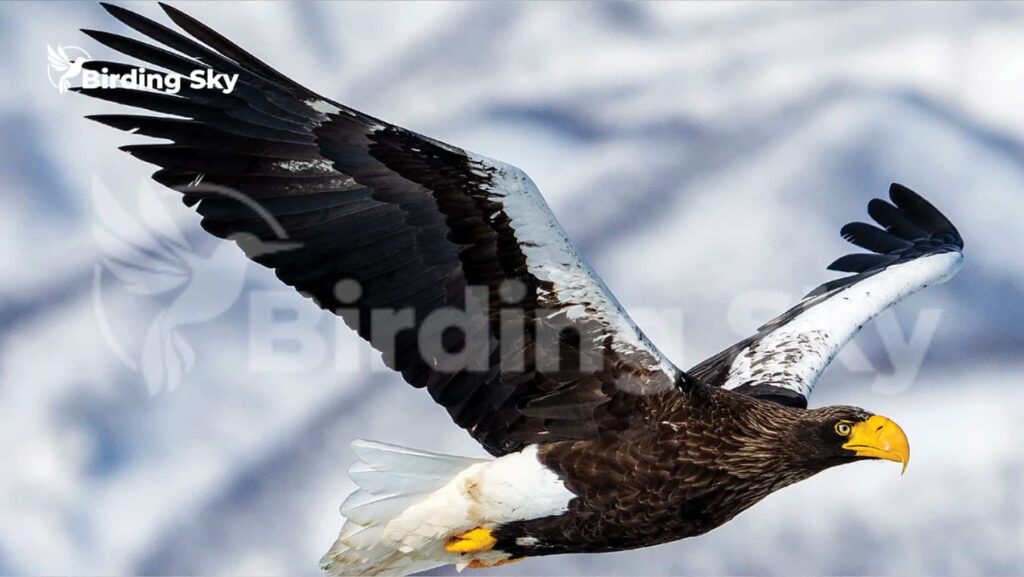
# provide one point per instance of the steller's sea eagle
(600, 443)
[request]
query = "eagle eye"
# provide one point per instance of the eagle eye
(843, 428)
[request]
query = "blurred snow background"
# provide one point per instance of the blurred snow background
(702, 156)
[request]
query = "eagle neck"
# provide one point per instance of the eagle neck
(763, 441)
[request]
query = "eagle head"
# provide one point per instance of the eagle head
(839, 434)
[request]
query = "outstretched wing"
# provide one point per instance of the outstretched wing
(917, 248)
(415, 223)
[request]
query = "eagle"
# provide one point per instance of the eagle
(453, 267)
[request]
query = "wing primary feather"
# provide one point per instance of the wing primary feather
(170, 38)
(873, 238)
(893, 220)
(918, 247)
(860, 262)
(229, 49)
(923, 214)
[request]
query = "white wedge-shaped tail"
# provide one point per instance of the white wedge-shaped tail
(375, 539)
(411, 503)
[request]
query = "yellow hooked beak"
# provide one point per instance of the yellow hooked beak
(879, 438)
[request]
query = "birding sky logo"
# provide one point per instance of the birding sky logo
(65, 64)
(148, 257)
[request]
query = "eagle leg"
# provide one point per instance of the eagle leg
(472, 541)
(478, 564)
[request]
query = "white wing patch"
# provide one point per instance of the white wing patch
(551, 257)
(794, 355)
(316, 165)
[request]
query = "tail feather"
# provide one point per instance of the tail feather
(380, 481)
(406, 462)
(390, 480)
(368, 508)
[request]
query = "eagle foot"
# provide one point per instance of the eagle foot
(478, 564)
(472, 541)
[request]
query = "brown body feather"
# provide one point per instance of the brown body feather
(700, 459)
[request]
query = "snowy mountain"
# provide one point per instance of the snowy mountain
(741, 135)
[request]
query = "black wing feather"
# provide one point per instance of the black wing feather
(912, 229)
(860, 262)
(217, 42)
(873, 238)
(332, 194)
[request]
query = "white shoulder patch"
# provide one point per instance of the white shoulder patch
(551, 257)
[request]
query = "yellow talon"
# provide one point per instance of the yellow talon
(472, 541)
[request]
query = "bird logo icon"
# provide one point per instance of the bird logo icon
(65, 63)
(150, 257)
